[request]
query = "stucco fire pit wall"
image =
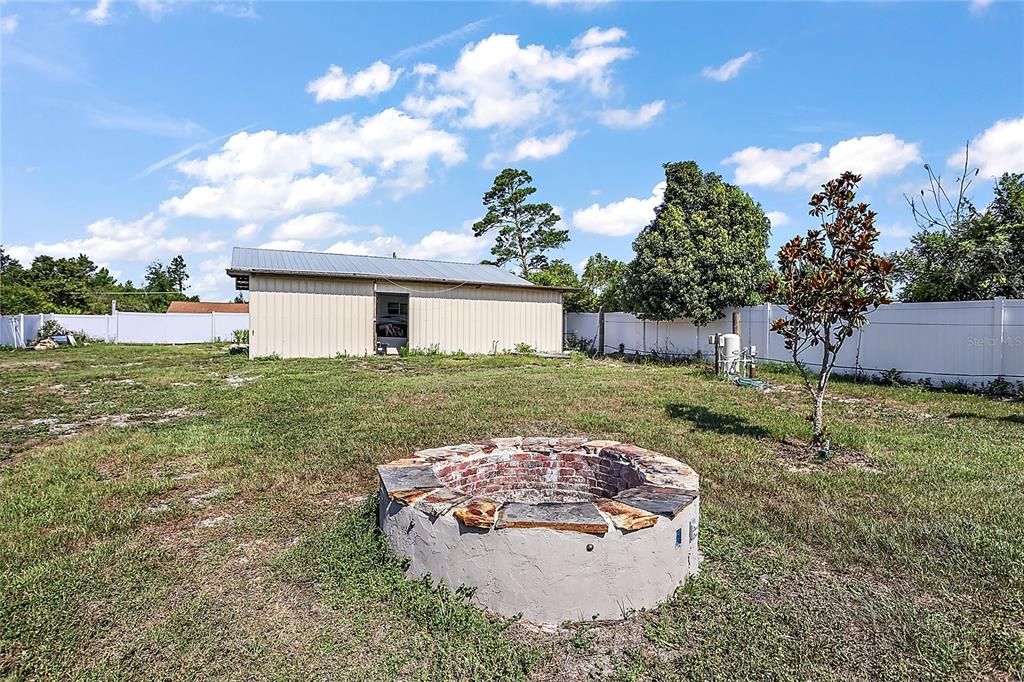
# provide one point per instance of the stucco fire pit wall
(556, 529)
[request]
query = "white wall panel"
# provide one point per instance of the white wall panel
(483, 319)
(307, 317)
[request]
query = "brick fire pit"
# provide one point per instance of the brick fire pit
(556, 529)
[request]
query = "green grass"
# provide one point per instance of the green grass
(182, 513)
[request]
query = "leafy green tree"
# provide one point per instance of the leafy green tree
(525, 231)
(17, 298)
(829, 281)
(165, 284)
(78, 285)
(10, 268)
(605, 278)
(558, 273)
(177, 271)
(703, 252)
(960, 253)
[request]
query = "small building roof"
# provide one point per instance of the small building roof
(245, 261)
(206, 307)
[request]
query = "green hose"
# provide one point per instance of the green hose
(750, 383)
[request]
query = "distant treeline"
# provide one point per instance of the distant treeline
(79, 286)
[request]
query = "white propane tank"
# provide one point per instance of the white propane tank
(730, 353)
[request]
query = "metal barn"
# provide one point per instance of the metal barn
(306, 304)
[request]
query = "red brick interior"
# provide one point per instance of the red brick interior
(540, 477)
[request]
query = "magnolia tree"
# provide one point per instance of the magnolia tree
(828, 282)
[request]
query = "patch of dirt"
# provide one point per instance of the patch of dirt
(343, 500)
(213, 521)
(62, 430)
(41, 364)
(587, 650)
(203, 499)
(236, 380)
(800, 457)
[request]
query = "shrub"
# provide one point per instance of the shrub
(50, 328)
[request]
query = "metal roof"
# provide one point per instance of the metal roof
(269, 261)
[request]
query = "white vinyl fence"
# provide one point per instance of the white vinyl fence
(969, 341)
(17, 330)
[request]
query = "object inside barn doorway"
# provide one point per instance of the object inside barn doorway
(392, 323)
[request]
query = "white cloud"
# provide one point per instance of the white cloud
(432, 106)
(212, 282)
(268, 174)
(802, 166)
(998, 150)
(438, 41)
(576, 4)
(619, 218)
(632, 118)
(729, 70)
(437, 245)
(542, 147)
(100, 14)
(896, 231)
(313, 226)
(336, 85)
(284, 245)
(978, 6)
(596, 36)
(777, 218)
(116, 117)
(9, 24)
(248, 231)
(182, 153)
(111, 240)
(768, 167)
(236, 9)
(496, 82)
(155, 8)
(255, 198)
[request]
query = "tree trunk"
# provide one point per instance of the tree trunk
(817, 440)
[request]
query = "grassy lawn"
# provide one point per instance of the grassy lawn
(181, 513)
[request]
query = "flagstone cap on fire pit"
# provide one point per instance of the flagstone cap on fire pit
(570, 484)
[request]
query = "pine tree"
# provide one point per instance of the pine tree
(524, 231)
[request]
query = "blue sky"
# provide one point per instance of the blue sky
(137, 130)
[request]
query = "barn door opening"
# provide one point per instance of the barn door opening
(392, 322)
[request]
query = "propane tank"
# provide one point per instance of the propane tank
(730, 353)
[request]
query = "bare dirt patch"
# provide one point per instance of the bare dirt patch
(58, 429)
(586, 651)
(41, 364)
(800, 457)
(236, 380)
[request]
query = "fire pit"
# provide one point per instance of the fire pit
(556, 529)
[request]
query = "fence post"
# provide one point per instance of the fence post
(998, 309)
(21, 329)
(213, 326)
(600, 332)
(767, 353)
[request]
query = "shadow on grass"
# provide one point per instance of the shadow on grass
(1009, 418)
(707, 420)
